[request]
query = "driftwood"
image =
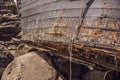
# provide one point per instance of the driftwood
(9, 26)
(7, 6)
(9, 21)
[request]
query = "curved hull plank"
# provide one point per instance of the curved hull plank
(58, 20)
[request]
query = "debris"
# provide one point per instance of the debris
(9, 26)
(5, 58)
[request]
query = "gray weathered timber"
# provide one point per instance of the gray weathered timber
(58, 20)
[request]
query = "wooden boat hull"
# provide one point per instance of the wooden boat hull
(58, 21)
(93, 26)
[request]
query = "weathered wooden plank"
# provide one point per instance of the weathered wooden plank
(35, 3)
(73, 13)
(93, 23)
(66, 3)
(86, 36)
(27, 1)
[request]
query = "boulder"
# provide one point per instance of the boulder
(5, 58)
(30, 66)
(101, 75)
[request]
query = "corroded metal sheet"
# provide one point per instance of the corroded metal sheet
(58, 20)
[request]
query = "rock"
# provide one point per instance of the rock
(101, 75)
(1, 71)
(5, 58)
(93, 75)
(77, 69)
(59, 78)
(30, 66)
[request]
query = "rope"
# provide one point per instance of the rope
(76, 33)
(70, 49)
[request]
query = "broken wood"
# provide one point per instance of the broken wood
(93, 56)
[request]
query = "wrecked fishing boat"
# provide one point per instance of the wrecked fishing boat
(82, 31)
